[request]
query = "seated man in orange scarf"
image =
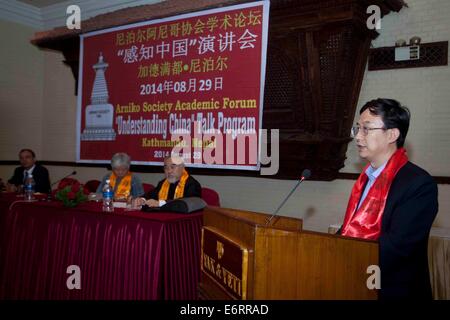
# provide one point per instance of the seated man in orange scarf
(123, 182)
(177, 184)
(393, 201)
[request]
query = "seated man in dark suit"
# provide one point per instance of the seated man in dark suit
(177, 184)
(28, 164)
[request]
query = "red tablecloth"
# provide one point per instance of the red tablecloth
(121, 255)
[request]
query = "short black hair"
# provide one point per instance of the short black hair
(393, 115)
(28, 150)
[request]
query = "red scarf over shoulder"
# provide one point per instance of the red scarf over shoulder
(365, 222)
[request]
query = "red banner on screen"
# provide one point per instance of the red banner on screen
(191, 85)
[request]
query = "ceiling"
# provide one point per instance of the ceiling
(41, 3)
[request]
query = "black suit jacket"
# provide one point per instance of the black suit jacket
(192, 188)
(411, 207)
(40, 176)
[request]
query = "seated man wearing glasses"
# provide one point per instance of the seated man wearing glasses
(177, 184)
(393, 201)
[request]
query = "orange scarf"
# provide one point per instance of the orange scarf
(179, 191)
(365, 222)
(124, 188)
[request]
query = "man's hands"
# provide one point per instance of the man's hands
(152, 203)
(138, 202)
(11, 187)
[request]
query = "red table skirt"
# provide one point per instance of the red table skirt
(121, 255)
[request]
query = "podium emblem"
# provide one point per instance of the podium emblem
(231, 273)
(220, 250)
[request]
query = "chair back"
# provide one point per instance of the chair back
(211, 197)
(148, 187)
(92, 185)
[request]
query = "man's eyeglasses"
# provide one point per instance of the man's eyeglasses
(364, 130)
(172, 166)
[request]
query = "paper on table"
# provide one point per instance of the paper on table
(119, 204)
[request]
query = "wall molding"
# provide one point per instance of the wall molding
(195, 171)
(21, 13)
(55, 15)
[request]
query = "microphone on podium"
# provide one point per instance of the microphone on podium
(306, 174)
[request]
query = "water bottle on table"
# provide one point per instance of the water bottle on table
(29, 188)
(108, 194)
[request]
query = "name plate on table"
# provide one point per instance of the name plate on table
(226, 262)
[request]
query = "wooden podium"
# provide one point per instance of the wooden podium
(243, 258)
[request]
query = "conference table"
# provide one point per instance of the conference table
(120, 255)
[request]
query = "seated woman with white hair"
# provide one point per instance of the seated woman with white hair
(123, 182)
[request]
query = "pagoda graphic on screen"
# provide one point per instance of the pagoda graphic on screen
(99, 114)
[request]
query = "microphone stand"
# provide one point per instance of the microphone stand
(284, 201)
(305, 175)
(49, 194)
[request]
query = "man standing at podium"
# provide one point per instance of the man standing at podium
(393, 201)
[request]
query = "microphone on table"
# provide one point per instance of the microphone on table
(49, 195)
(306, 174)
